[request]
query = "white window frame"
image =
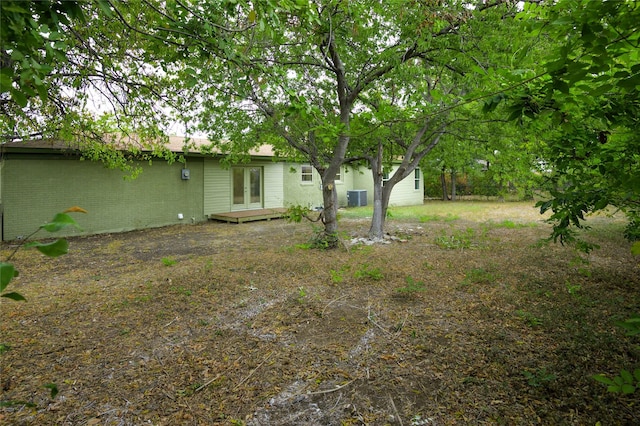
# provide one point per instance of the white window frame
(306, 174)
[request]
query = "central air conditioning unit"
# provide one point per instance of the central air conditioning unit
(357, 198)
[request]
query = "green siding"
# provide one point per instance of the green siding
(36, 187)
(273, 185)
(297, 192)
(217, 187)
(403, 194)
(310, 195)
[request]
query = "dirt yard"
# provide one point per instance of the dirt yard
(459, 320)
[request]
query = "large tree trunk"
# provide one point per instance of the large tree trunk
(379, 210)
(381, 196)
(330, 213)
(380, 207)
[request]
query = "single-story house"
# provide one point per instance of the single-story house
(41, 178)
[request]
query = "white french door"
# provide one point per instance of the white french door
(247, 188)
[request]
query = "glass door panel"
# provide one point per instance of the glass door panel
(238, 186)
(255, 193)
(247, 188)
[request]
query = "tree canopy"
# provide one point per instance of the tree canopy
(323, 81)
(77, 71)
(329, 82)
(585, 102)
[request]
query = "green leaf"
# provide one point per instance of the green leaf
(626, 376)
(60, 221)
(6, 80)
(628, 389)
(601, 90)
(14, 296)
(635, 248)
(42, 92)
(630, 83)
(561, 86)
(603, 379)
(12, 7)
(7, 273)
(19, 97)
(54, 389)
(515, 114)
(53, 249)
(17, 55)
(12, 403)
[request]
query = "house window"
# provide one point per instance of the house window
(385, 178)
(307, 173)
(339, 175)
(416, 179)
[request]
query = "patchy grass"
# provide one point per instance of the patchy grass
(432, 211)
(251, 327)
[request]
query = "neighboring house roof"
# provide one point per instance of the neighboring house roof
(177, 144)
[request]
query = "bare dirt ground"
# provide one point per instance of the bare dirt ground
(467, 320)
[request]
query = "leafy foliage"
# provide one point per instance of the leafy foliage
(77, 71)
(297, 213)
(52, 249)
(631, 325)
(584, 99)
(625, 382)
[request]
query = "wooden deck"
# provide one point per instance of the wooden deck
(249, 215)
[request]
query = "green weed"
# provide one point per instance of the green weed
(429, 267)
(631, 325)
(509, 224)
(302, 293)
(412, 287)
(368, 272)
(529, 318)
(437, 218)
(4, 348)
(208, 266)
(625, 382)
(572, 289)
(337, 276)
(479, 276)
(539, 377)
(169, 261)
(458, 240)
(181, 290)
